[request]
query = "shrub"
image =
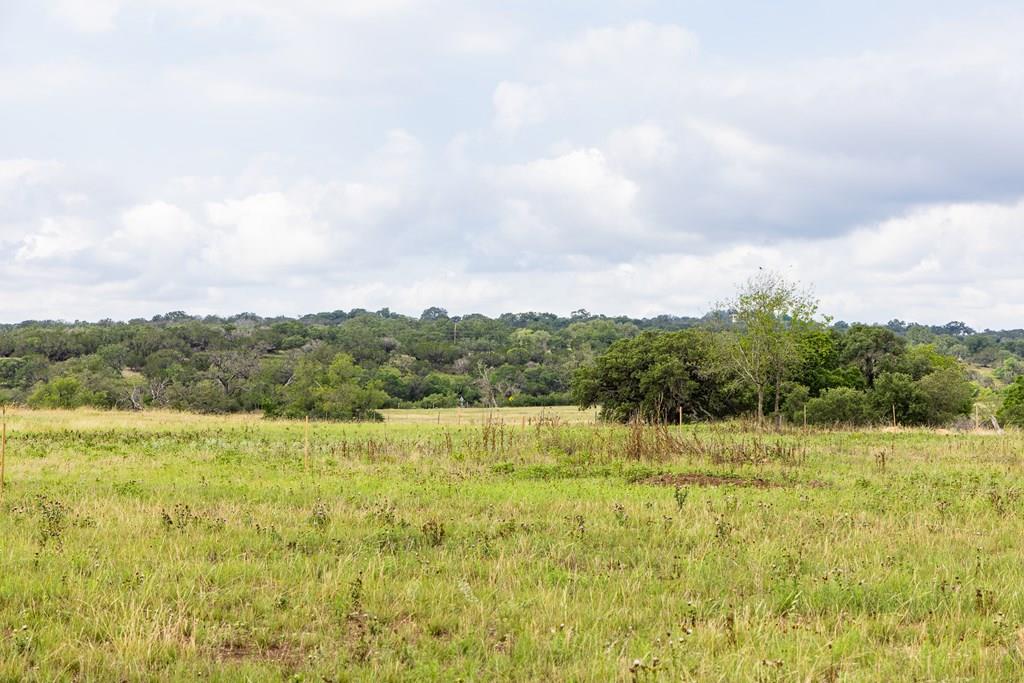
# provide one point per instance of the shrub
(651, 376)
(63, 392)
(899, 390)
(1012, 410)
(439, 401)
(840, 405)
(796, 398)
(947, 394)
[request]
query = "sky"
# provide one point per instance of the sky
(629, 157)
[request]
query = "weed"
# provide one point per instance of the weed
(433, 531)
(319, 517)
(620, 514)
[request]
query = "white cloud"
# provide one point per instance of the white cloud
(482, 40)
(581, 178)
(155, 238)
(87, 16)
(517, 105)
(261, 235)
(45, 81)
(14, 171)
(55, 239)
(571, 203)
(637, 44)
(394, 153)
(644, 145)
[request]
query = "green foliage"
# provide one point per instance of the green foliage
(1012, 410)
(935, 399)
(180, 548)
(899, 391)
(653, 375)
(947, 394)
(248, 363)
(205, 396)
(796, 397)
(334, 391)
(63, 392)
(839, 406)
(769, 344)
(872, 350)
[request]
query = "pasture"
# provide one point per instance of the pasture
(530, 545)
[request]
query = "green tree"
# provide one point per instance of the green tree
(654, 374)
(839, 406)
(771, 316)
(948, 394)
(332, 392)
(63, 392)
(871, 348)
(897, 395)
(1012, 410)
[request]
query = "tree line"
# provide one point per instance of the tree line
(774, 359)
(767, 352)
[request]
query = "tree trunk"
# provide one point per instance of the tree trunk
(778, 415)
(760, 405)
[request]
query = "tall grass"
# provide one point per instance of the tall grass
(182, 548)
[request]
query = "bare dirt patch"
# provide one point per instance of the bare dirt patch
(276, 652)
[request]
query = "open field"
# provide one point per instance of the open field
(164, 546)
(467, 416)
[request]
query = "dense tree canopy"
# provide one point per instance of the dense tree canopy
(654, 375)
(332, 365)
(769, 342)
(348, 364)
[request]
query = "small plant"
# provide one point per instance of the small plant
(680, 495)
(1002, 500)
(434, 532)
(53, 516)
(319, 518)
(130, 488)
(723, 528)
(355, 593)
(506, 528)
(880, 459)
(579, 526)
(180, 518)
(620, 514)
(385, 512)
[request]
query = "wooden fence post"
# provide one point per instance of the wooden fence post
(3, 445)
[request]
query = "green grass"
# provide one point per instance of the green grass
(172, 547)
(467, 416)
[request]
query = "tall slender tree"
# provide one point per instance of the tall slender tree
(768, 315)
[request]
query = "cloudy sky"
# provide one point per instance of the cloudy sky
(625, 156)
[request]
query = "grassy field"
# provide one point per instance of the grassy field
(468, 416)
(161, 546)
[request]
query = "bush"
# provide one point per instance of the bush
(651, 376)
(840, 405)
(947, 394)
(935, 399)
(205, 396)
(333, 391)
(1012, 411)
(796, 398)
(899, 390)
(439, 401)
(63, 392)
